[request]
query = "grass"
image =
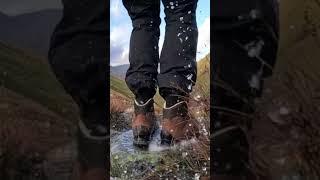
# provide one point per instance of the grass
(203, 76)
(119, 86)
(32, 78)
(36, 114)
(293, 141)
(295, 85)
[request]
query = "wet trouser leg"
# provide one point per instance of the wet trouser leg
(177, 61)
(178, 67)
(78, 58)
(244, 53)
(141, 76)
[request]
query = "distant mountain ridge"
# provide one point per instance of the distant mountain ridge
(3, 16)
(119, 71)
(30, 31)
(32, 78)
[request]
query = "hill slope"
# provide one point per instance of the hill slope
(32, 78)
(119, 86)
(203, 77)
(119, 71)
(36, 115)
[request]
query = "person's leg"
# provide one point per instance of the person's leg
(245, 48)
(78, 58)
(178, 66)
(141, 76)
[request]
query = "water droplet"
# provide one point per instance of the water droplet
(197, 176)
(189, 77)
(190, 87)
(184, 154)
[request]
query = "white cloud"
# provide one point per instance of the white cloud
(204, 39)
(115, 8)
(122, 58)
(119, 44)
(120, 34)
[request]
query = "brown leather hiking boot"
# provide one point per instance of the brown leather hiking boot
(177, 124)
(143, 123)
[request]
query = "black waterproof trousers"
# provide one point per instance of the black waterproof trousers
(78, 57)
(178, 57)
(245, 43)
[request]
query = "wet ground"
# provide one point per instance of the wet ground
(122, 142)
(155, 162)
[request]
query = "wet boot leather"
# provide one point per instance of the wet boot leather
(177, 124)
(143, 123)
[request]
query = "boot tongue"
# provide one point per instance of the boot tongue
(179, 109)
(144, 108)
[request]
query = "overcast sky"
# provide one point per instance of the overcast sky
(14, 7)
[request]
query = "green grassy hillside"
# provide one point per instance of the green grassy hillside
(32, 78)
(203, 77)
(120, 86)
